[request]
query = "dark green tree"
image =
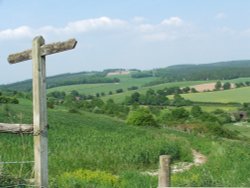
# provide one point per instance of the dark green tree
(226, 86)
(218, 85)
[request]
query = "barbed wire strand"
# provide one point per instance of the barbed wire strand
(13, 186)
(17, 162)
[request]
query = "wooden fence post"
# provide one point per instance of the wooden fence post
(40, 114)
(164, 171)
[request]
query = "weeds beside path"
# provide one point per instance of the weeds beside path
(198, 159)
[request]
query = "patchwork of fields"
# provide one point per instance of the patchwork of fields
(233, 95)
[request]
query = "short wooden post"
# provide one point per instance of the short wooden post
(40, 114)
(164, 171)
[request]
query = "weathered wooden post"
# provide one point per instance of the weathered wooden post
(164, 171)
(37, 54)
(40, 114)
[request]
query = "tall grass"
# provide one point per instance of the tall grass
(91, 142)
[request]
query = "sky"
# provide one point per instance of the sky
(141, 34)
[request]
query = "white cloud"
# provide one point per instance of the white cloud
(81, 26)
(146, 28)
(20, 32)
(92, 24)
(168, 29)
(173, 21)
(221, 16)
(139, 19)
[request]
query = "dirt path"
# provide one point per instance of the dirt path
(198, 159)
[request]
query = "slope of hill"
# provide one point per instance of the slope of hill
(214, 71)
(93, 143)
(65, 79)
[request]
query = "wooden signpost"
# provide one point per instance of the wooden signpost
(39, 128)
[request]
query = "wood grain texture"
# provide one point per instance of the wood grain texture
(40, 114)
(16, 128)
(47, 49)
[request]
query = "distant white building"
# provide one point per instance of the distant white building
(120, 72)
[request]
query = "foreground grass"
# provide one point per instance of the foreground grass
(242, 127)
(98, 151)
(90, 142)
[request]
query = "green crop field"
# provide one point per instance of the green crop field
(121, 96)
(237, 80)
(113, 154)
(125, 82)
(240, 95)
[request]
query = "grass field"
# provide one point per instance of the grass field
(240, 95)
(211, 108)
(90, 142)
(242, 127)
(125, 82)
(121, 96)
(107, 146)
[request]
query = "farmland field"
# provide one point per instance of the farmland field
(240, 95)
(125, 82)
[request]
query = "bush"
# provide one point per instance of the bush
(196, 111)
(86, 178)
(141, 117)
(180, 114)
(119, 90)
(132, 88)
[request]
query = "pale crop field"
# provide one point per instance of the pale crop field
(240, 95)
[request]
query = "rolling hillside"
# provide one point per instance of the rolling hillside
(97, 144)
(214, 71)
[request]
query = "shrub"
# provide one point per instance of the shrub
(180, 114)
(119, 90)
(196, 111)
(132, 88)
(141, 117)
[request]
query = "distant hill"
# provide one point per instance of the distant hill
(214, 71)
(187, 72)
(65, 79)
(221, 70)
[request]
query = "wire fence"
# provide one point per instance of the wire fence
(16, 162)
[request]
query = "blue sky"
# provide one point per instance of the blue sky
(140, 34)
